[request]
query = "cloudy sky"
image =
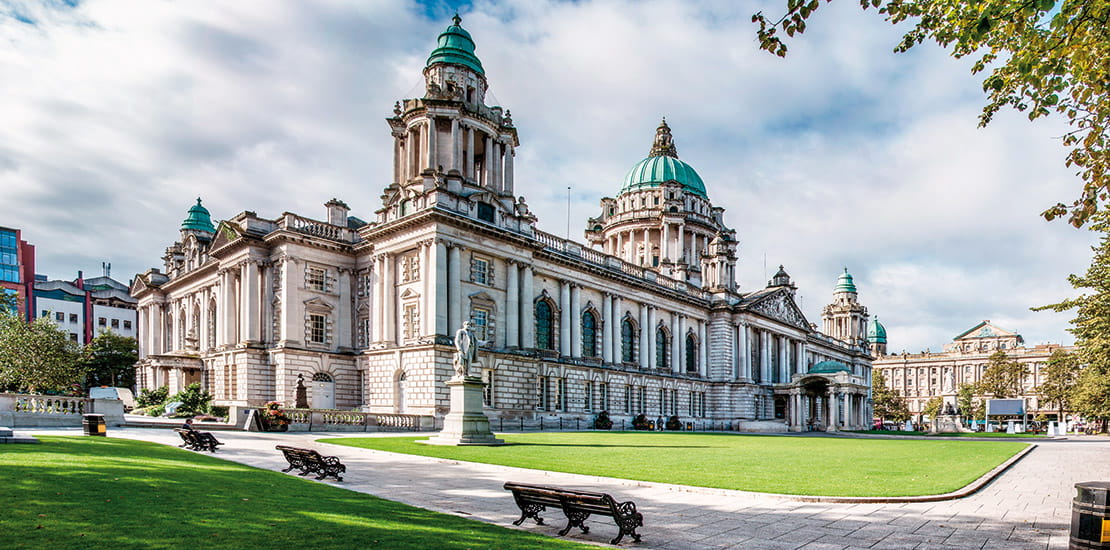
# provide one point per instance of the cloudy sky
(115, 116)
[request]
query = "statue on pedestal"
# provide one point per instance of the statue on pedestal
(466, 350)
(302, 393)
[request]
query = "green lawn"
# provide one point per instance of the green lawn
(791, 465)
(86, 492)
(985, 435)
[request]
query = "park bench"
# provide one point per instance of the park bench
(577, 506)
(198, 441)
(309, 461)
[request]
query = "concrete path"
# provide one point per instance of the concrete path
(1027, 507)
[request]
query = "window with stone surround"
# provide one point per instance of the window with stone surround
(588, 400)
(560, 394)
(488, 387)
(674, 402)
(479, 322)
(691, 354)
(641, 400)
(603, 396)
(363, 332)
(543, 394)
(662, 346)
(628, 341)
(481, 270)
(627, 399)
(410, 268)
(545, 325)
(662, 401)
(316, 278)
(411, 321)
(317, 328)
(589, 335)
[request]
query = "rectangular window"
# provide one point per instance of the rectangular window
(628, 399)
(487, 387)
(115, 323)
(662, 401)
(691, 411)
(411, 321)
(363, 332)
(317, 328)
(102, 322)
(127, 325)
(701, 400)
(543, 394)
(588, 401)
(73, 337)
(641, 400)
(485, 212)
(73, 317)
(59, 317)
(603, 396)
(674, 402)
(315, 278)
(479, 323)
(561, 394)
(480, 271)
(45, 313)
(410, 268)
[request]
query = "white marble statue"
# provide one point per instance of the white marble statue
(466, 350)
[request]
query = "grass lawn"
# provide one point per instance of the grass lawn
(1001, 435)
(86, 492)
(792, 465)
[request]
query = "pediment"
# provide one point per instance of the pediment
(409, 294)
(985, 329)
(780, 306)
(317, 304)
(225, 233)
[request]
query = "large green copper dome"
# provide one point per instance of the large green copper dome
(199, 219)
(456, 46)
(844, 283)
(829, 367)
(662, 165)
(876, 333)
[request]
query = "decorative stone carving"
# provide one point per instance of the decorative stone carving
(779, 306)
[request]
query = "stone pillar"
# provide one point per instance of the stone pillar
(644, 353)
(454, 289)
(527, 310)
(680, 255)
(676, 365)
(414, 148)
(431, 133)
(288, 293)
(680, 343)
(607, 328)
(389, 309)
(652, 359)
(575, 320)
(470, 154)
(441, 303)
(157, 329)
(765, 359)
(428, 282)
(834, 409)
(512, 305)
(251, 300)
(564, 319)
(510, 152)
(344, 316)
(455, 144)
(398, 160)
(664, 244)
(495, 168)
(615, 331)
(487, 166)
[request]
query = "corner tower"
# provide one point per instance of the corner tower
(662, 219)
(450, 149)
(845, 319)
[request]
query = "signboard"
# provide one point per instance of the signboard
(1105, 530)
(1005, 407)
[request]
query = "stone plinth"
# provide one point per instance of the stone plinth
(947, 424)
(466, 424)
(9, 436)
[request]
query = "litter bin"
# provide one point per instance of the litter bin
(1090, 516)
(94, 424)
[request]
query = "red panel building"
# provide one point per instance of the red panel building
(17, 270)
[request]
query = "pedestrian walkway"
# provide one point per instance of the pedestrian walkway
(1027, 507)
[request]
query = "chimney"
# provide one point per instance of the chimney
(337, 212)
(107, 267)
(80, 282)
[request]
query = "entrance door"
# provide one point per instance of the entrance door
(323, 391)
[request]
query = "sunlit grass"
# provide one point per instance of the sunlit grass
(791, 465)
(84, 492)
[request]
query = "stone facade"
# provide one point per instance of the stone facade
(644, 319)
(920, 377)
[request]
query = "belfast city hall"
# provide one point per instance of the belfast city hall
(641, 316)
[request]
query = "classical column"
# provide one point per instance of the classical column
(765, 357)
(397, 159)
(615, 331)
(564, 318)
(619, 252)
(575, 320)
(441, 303)
(664, 245)
(607, 328)
(251, 300)
(495, 167)
(428, 281)
(784, 356)
(343, 319)
(390, 309)
(267, 330)
(681, 254)
(158, 330)
(487, 166)
(454, 289)
(432, 156)
(469, 160)
(414, 147)
(512, 304)
(510, 152)
(703, 350)
(676, 365)
(527, 310)
(651, 339)
(680, 343)
(644, 353)
(647, 247)
(455, 143)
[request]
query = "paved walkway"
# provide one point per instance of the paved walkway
(1027, 507)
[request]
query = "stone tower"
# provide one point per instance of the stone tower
(845, 319)
(876, 338)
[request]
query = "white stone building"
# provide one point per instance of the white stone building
(85, 308)
(644, 319)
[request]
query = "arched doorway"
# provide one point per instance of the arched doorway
(814, 403)
(323, 391)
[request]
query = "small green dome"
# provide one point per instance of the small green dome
(876, 333)
(456, 46)
(662, 165)
(844, 283)
(198, 220)
(829, 367)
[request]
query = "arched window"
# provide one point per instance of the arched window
(691, 354)
(589, 334)
(628, 341)
(545, 333)
(325, 377)
(661, 349)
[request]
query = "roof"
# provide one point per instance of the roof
(662, 165)
(845, 283)
(198, 220)
(456, 46)
(876, 332)
(829, 367)
(985, 329)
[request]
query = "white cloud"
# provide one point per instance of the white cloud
(842, 154)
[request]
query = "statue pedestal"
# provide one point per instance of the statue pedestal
(947, 424)
(466, 424)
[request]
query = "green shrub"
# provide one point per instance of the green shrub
(603, 422)
(640, 422)
(153, 397)
(193, 400)
(673, 424)
(155, 410)
(219, 412)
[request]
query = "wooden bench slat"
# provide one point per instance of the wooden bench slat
(577, 506)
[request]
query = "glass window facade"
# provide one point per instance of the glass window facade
(9, 256)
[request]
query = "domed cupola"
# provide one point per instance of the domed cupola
(662, 165)
(198, 220)
(456, 46)
(845, 283)
(876, 332)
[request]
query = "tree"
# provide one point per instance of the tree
(1044, 56)
(110, 360)
(1004, 377)
(889, 404)
(9, 301)
(965, 400)
(932, 407)
(1091, 327)
(1058, 380)
(37, 356)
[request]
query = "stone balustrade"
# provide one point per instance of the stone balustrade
(303, 420)
(19, 410)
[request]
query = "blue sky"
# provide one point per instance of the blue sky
(842, 154)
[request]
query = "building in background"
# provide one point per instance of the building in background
(645, 319)
(17, 270)
(86, 307)
(920, 377)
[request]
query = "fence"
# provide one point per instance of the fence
(19, 410)
(307, 420)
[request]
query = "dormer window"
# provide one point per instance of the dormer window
(485, 212)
